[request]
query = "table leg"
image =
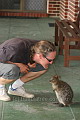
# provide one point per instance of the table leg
(56, 35)
(60, 42)
(66, 52)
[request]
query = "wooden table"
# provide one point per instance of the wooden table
(65, 32)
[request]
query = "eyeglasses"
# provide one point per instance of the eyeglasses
(49, 60)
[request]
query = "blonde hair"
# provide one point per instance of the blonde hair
(44, 47)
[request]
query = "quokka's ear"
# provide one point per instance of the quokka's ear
(56, 77)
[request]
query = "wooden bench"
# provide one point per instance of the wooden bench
(66, 32)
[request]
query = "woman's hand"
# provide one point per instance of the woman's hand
(32, 65)
(23, 68)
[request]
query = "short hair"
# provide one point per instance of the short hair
(44, 47)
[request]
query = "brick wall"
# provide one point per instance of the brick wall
(68, 9)
(23, 14)
(63, 9)
(73, 5)
(53, 7)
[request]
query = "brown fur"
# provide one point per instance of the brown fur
(63, 91)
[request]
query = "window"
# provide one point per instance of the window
(23, 5)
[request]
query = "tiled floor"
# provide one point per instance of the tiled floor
(42, 107)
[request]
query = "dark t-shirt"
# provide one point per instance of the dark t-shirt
(17, 50)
